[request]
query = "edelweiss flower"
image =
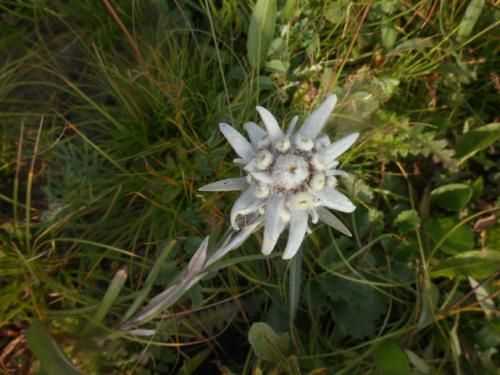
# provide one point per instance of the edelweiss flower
(290, 176)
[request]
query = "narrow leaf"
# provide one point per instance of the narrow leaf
(261, 31)
(150, 280)
(295, 284)
(52, 359)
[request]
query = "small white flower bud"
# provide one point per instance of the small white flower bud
(283, 145)
(317, 163)
(331, 181)
(250, 179)
(301, 201)
(264, 159)
(317, 182)
(262, 191)
(303, 143)
(261, 211)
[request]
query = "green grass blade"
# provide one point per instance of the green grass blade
(52, 359)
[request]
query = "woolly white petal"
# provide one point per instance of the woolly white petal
(255, 132)
(235, 241)
(273, 224)
(336, 172)
(229, 184)
(330, 219)
(199, 258)
(244, 205)
(315, 123)
(335, 200)
(271, 124)
(239, 143)
(296, 234)
(291, 126)
(337, 148)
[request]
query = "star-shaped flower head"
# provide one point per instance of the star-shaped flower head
(291, 176)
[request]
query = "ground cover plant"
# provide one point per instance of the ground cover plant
(110, 113)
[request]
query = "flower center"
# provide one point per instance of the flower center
(290, 172)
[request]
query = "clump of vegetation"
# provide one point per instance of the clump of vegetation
(109, 126)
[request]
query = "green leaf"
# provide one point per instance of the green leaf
(461, 239)
(277, 66)
(489, 336)
(471, 16)
(493, 238)
(476, 263)
(389, 34)
(476, 140)
(295, 283)
(390, 359)
(261, 31)
(110, 297)
(407, 221)
(52, 359)
(356, 308)
(192, 364)
(289, 10)
(268, 345)
(452, 197)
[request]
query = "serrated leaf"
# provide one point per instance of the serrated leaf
(261, 31)
(452, 197)
(459, 240)
(356, 307)
(390, 359)
(407, 221)
(489, 336)
(52, 359)
(476, 140)
(475, 263)
(267, 345)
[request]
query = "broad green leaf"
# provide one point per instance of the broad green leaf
(268, 345)
(356, 307)
(261, 31)
(389, 33)
(476, 140)
(459, 240)
(452, 197)
(289, 10)
(390, 359)
(277, 66)
(52, 359)
(493, 238)
(335, 12)
(475, 263)
(470, 18)
(407, 221)
(489, 336)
